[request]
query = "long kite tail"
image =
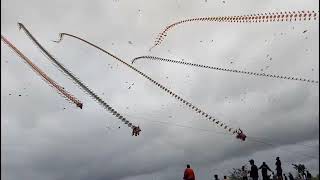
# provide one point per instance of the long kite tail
(188, 104)
(76, 80)
(252, 18)
(47, 79)
(224, 69)
(59, 65)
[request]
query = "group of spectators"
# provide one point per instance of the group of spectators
(253, 173)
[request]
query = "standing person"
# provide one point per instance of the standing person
(189, 174)
(285, 177)
(244, 173)
(216, 177)
(291, 176)
(278, 168)
(254, 170)
(264, 171)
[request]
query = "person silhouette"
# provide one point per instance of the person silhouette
(254, 170)
(216, 177)
(264, 171)
(278, 169)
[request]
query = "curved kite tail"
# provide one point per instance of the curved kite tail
(134, 60)
(251, 18)
(60, 38)
(20, 25)
(160, 37)
(140, 57)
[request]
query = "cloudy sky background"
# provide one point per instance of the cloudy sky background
(45, 137)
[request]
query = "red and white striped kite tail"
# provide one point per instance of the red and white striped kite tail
(252, 18)
(51, 82)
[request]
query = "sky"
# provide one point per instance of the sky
(43, 136)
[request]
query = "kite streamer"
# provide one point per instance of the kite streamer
(252, 18)
(167, 90)
(77, 81)
(45, 77)
(225, 69)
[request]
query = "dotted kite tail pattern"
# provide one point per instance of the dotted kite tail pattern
(43, 75)
(188, 104)
(224, 69)
(252, 18)
(77, 81)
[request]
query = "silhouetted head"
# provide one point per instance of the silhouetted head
(243, 168)
(224, 177)
(277, 158)
(188, 165)
(264, 163)
(251, 161)
(216, 176)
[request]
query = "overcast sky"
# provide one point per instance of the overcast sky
(45, 137)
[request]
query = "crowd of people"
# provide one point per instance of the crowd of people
(253, 173)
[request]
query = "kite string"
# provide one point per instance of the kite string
(178, 125)
(250, 138)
